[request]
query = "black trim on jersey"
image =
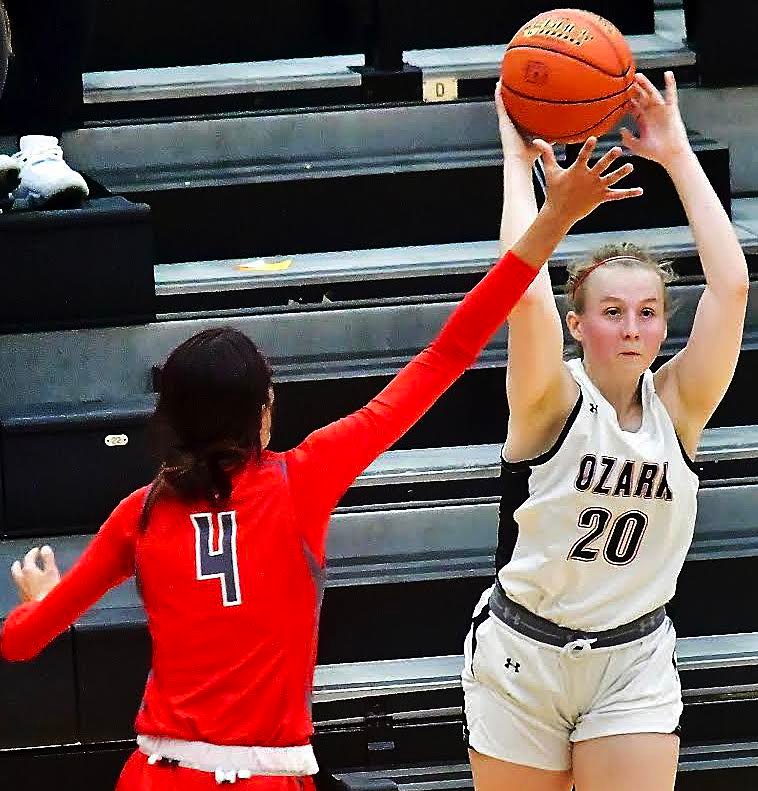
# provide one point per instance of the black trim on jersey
(514, 482)
(515, 466)
(475, 624)
(686, 456)
(466, 731)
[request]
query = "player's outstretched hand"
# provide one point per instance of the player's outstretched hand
(574, 192)
(662, 136)
(37, 575)
(515, 146)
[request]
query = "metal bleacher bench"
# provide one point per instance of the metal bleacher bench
(421, 261)
(483, 461)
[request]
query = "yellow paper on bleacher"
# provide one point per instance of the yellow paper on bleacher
(262, 265)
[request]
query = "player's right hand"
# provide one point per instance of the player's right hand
(574, 192)
(37, 575)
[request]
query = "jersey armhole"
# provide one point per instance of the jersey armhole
(517, 466)
(686, 456)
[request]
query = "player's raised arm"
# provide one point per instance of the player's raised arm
(696, 378)
(535, 335)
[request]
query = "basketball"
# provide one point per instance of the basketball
(567, 75)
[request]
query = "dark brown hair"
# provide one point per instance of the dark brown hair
(212, 392)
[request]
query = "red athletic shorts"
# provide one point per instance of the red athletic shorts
(138, 775)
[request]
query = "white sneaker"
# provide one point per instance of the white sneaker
(9, 174)
(46, 180)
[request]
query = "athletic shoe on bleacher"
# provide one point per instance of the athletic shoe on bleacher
(9, 174)
(46, 180)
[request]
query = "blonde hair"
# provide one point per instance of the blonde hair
(626, 254)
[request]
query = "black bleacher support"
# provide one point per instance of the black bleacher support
(38, 697)
(64, 767)
(99, 636)
(78, 267)
(43, 94)
(723, 35)
(97, 453)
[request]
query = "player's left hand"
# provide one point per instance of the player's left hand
(515, 145)
(662, 135)
(37, 575)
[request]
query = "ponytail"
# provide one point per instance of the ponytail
(213, 391)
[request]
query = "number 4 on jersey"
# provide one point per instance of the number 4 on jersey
(216, 553)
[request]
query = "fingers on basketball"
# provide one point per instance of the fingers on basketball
(650, 92)
(499, 98)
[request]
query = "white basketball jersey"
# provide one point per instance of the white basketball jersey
(594, 532)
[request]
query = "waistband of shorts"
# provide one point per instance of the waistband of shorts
(224, 760)
(527, 623)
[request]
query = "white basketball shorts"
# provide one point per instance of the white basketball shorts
(526, 702)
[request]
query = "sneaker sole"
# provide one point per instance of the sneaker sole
(69, 198)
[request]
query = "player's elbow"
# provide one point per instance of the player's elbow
(733, 292)
(13, 650)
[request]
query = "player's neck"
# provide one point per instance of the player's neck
(621, 389)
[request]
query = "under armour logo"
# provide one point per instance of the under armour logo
(593, 409)
(515, 665)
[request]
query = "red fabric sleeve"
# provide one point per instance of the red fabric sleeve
(324, 465)
(106, 562)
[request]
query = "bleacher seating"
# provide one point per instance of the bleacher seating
(261, 149)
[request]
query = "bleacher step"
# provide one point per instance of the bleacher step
(662, 49)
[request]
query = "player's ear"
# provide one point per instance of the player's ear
(573, 323)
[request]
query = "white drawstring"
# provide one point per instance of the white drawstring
(231, 776)
(576, 648)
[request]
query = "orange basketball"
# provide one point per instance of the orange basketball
(567, 75)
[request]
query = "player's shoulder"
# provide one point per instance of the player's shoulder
(133, 503)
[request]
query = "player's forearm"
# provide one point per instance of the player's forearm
(540, 240)
(720, 252)
(519, 212)
(519, 201)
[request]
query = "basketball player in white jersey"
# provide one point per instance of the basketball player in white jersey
(570, 674)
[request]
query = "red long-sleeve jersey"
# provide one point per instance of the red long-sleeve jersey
(232, 595)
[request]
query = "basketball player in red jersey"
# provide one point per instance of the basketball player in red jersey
(228, 543)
